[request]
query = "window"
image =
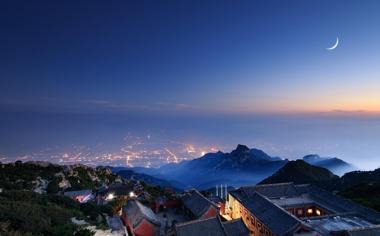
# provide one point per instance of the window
(258, 225)
(318, 212)
(299, 212)
(252, 220)
(310, 211)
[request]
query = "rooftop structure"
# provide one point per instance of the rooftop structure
(212, 227)
(235, 228)
(139, 219)
(81, 196)
(198, 205)
(366, 231)
(338, 224)
(276, 219)
(118, 190)
(280, 209)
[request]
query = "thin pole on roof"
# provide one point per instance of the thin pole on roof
(226, 192)
(221, 191)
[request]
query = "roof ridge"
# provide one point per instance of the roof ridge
(232, 221)
(365, 228)
(278, 207)
(222, 225)
(194, 221)
(142, 209)
(342, 199)
(205, 198)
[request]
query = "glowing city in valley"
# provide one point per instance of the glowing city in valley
(141, 151)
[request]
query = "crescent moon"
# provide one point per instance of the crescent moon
(335, 45)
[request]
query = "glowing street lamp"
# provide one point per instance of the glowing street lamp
(110, 196)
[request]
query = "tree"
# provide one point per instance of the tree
(52, 186)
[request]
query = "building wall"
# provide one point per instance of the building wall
(236, 210)
(145, 228)
(166, 204)
(211, 212)
(126, 222)
(308, 211)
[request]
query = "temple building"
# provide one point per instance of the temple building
(197, 206)
(212, 227)
(140, 220)
(288, 209)
(81, 196)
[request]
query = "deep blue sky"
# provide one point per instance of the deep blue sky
(144, 60)
(219, 55)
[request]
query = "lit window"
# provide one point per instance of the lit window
(310, 210)
(318, 212)
(299, 212)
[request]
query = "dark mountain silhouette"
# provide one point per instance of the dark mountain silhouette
(360, 186)
(245, 166)
(367, 194)
(131, 175)
(335, 165)
(356, 178)
(242, 166)
(300, 172)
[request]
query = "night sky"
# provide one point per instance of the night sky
(201, 71)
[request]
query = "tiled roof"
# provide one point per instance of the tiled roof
(235, 228)
(197, 203)
(118, 189)
(319, 196)
(78, 193)
(264, 202)
(274, 190)
(137, 212)
(341, 205)
(334, 224)
(205, 227)
(279, 221)
(370, 231)
(212, 227)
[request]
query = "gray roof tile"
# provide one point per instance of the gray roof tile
(205, 227)
(235, 228)
(275, 218)
(197, 203)
(137, 212)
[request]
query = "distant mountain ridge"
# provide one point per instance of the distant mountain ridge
(360, 186)
(241, 166)
(131, 175)
(300, 172)
(333, 164)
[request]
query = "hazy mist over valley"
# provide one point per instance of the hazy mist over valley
(151, 141)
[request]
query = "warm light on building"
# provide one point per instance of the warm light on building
(110, 196)
(318, 212)
(132, 194)
(310, 211)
